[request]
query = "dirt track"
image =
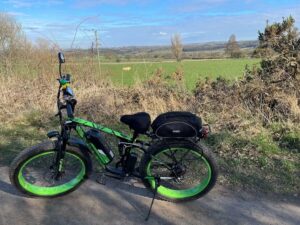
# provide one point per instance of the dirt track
(127, 203)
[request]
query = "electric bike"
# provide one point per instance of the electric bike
(173, 163)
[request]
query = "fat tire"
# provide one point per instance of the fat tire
(159, 146)
(28, 153)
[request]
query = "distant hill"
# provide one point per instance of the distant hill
(208, 50)
(208, 46)
(211, 46)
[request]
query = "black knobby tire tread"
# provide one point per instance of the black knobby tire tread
(158, 146)
(23, 156)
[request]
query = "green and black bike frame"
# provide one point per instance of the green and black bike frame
(73, 123)
(78, 125)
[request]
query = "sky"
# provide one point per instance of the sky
(145, 22)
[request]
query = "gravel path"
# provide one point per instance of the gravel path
(127, 203)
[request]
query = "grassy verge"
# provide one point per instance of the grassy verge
(15, 136)
(259, 163)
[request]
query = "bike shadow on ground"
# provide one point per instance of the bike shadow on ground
(133, 192)
(9, 189)
(130, 185)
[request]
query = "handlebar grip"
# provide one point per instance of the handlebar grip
(70, 110)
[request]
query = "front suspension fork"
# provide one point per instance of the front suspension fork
(60, 156)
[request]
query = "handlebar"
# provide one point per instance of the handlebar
(69, 101)
(68, 96)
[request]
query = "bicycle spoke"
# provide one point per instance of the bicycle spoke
(172, 156)
(184, 155)
(181, 168)
(161, 162)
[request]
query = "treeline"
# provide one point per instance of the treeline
(209, 50)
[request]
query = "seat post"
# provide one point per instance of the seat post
(135, 135)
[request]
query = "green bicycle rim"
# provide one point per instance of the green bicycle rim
(180, 194)
(50, 191)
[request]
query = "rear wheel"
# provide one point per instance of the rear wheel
(186, 170)
(34, 172)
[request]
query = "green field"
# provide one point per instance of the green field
(193, 70)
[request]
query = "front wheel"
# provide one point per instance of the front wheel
(34, 173)
(186, 171)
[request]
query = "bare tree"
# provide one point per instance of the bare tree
(12, 40)
(232, 48)
(10, 33)
(177, 47)
(17, 52)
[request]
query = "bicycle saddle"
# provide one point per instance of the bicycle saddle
(139, 122)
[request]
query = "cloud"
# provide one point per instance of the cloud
(192, 34)
(234, 13)
(93, 3)
(163, 33)
(19, 3)
(32, 3)
(197, 5)
(14, 13)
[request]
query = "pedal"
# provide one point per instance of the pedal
(114, 172)
(101, 179)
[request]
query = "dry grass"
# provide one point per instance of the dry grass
(97, 98)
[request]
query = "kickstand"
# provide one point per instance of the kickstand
(157, 183)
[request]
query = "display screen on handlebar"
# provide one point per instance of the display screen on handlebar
(65, 85)
(68, 95)
(68, 92)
